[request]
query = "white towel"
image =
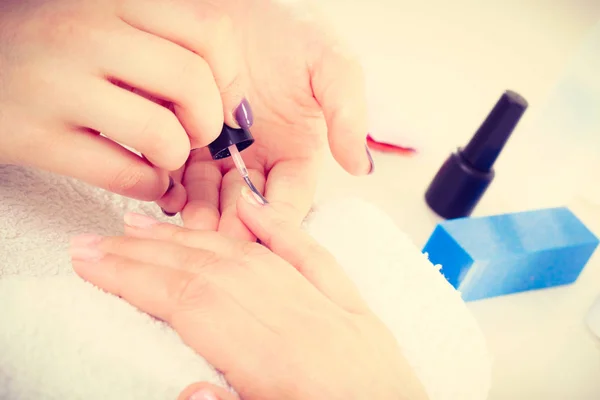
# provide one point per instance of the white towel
(61, 338)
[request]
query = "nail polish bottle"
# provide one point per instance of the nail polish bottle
(466, 174)
(242, 138)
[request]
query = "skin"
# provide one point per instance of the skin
(72, 69)
(229, 297)
(160, 77)
(307, 93)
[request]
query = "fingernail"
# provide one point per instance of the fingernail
(139, 220)
(171, 184)
(85, 248)
(203, 395)
(250, 197)
(372, 168)
(243, 115)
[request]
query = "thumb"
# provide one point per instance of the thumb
(206, 391)
(338, 84)
(291, 243)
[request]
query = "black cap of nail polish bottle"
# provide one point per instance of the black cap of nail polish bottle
(466, 174)
(242, 138)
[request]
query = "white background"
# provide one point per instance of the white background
(435, 69)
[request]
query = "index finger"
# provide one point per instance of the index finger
(99, 161)
(205, 30)
(153, 289)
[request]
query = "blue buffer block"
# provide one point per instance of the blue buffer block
(485, 257)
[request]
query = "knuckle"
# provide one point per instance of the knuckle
(202, 263)
(198, 91)
(251, 249)
(127, 180)
(213, 19)
(163, 134)
(180, 236)
(221, 24)
(231, 87)
(312, 255)
(191, 292)
(193, 74)
(198, 287)
(59, 28)
(275, 228)
(158, 122)
(210, 260)
(188, 260)
(287, 207)
(220, 52)
(293, 213)
(280, 225)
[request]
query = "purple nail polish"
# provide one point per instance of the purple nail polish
(168, 214)
(171, 184)
(243, 115)
(370, 160)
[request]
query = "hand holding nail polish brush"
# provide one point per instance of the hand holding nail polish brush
(230, 143)
(308, 98)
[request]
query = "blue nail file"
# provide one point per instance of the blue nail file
(485, 257)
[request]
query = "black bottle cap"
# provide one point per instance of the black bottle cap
(466, 174)
(242, 138)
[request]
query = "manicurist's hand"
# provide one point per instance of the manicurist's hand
(281, 321)
(71, 69)
(307, 94)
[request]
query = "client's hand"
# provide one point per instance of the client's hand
(305, 90)
(280, 321)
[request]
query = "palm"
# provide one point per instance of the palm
(279, 43)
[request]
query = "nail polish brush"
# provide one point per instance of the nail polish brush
(241, 167)
(230, 143)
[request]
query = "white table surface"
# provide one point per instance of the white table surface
(435, 69)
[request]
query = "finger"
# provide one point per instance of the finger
(133, 121)
(152, 289)
(206, 31)
(339, 86)
(291, 185)
(174, 198)
(211, 323)
(231, 186)
(202, 182)
(142, 226)
(169, 72)
(206, 391)
(178, 175)
(289, 242)
(89, 157)
(159, 252)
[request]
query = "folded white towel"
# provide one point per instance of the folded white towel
(61, 338)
